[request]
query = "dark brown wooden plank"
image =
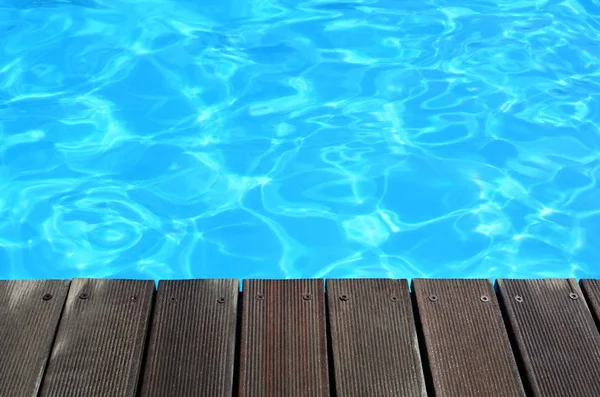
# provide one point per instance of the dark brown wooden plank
(100, 339)
(192, 340)
(591, 290)
(283, 348)
(29, 315)
(467, 346)
(556, 337)
(373, 338)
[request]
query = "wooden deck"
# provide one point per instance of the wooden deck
(289, 338)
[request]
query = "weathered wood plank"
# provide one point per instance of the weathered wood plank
(192, 339)
(283, 348)
(373, 338)
(100, 340)
(555, 334)
(591, 290)
(29, 315)
(467, 346)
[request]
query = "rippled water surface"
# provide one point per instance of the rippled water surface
(264, 138)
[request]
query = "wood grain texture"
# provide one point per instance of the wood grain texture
(100, 341)
(556, 337)
(468, 348)
(191, 349)
(283, 348)
(591, 290)
(29, 314)
(373, 339)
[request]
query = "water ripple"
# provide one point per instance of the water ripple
(271, 138)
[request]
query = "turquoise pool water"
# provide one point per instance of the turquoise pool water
(265, 138)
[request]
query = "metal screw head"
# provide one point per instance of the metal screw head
(344, 298)
(394, 298)
(83, 296)
(433, 298)
(220, 299)
(519, 298)
(306, 297)
(260, 297)
(485, 298)
(47, 297)
(133, 297)
(573, 295)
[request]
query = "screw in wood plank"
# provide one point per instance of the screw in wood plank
(134, 297)
(485, 298)
(260, 297)
(221, 300)
(83, 296)
(47, 297)
(519, 298)
(573, 295)
(433, 298)
(173, 299)
(306, 297)
(344, 298)
(394, 298)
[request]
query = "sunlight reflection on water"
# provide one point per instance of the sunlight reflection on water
(175, 139)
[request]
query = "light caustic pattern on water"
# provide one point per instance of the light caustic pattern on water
(284, 139)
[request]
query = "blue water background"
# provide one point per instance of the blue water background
(284, 138)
